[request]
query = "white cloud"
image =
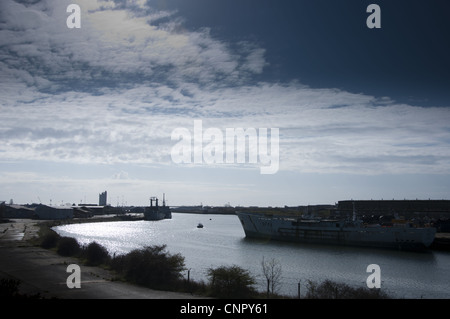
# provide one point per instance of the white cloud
(134, 126)
(115, 46)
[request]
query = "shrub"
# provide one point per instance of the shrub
(151, 266)
(68, 246)
(231, 282)
(49, 239)
(332, 290)
(96, 254)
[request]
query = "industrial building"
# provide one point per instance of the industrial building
(406, 208)
(53, 212)
(16, 211)
(36, 211)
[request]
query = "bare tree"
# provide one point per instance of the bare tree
(272, 272)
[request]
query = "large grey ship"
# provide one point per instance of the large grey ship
(342, 232)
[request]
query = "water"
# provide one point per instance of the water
(222, 242)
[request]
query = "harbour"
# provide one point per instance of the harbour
(222, 241)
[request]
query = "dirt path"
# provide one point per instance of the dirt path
(45, 272)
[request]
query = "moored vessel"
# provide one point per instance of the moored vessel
(340, 232)
(155, 212)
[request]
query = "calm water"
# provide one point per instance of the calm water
(222, 242)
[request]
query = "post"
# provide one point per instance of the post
(189, 280)
(298, 287)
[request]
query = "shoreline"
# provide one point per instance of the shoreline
(42, 272)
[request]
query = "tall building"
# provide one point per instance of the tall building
(102, 199)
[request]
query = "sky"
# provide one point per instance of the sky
(362, 113)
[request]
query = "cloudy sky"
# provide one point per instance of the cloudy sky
(362, 113)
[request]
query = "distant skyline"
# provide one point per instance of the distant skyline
(362, 113)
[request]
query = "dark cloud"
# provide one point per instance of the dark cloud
(327, 43)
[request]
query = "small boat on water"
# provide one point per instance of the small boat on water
(200, 225)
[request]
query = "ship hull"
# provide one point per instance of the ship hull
(332, 232)
(157, 213)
